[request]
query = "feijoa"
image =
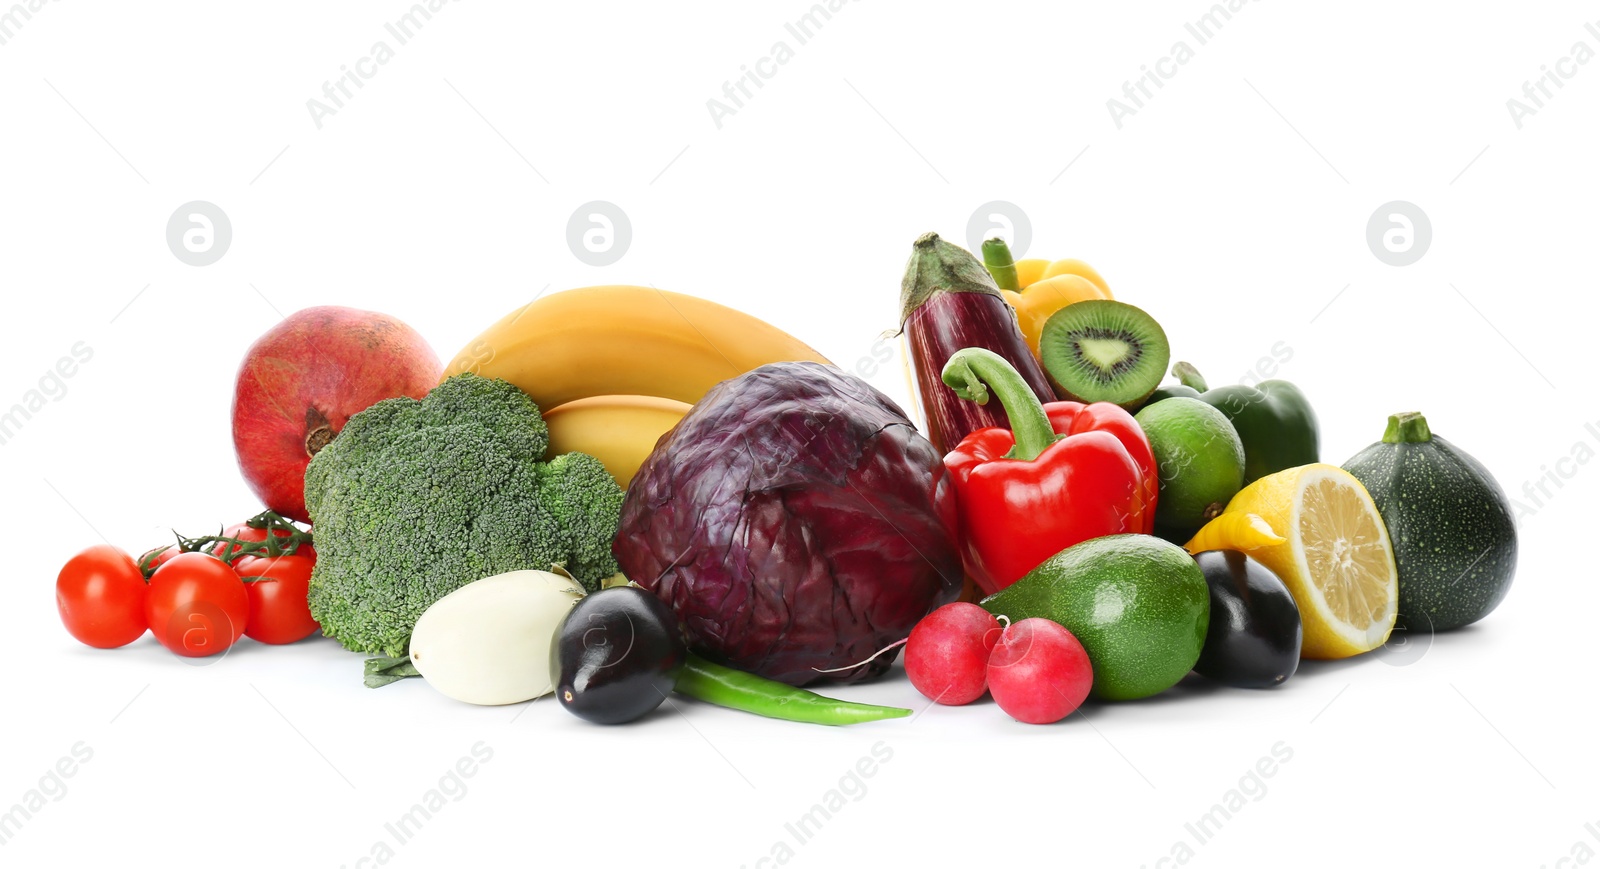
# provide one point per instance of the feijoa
(616, 655)
(1253, 639)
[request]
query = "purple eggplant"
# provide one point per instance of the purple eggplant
(948, 302)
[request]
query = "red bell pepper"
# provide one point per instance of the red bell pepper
(1064, 473)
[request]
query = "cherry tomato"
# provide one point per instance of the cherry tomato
(197, 605)
(101, 596)
(278, 611)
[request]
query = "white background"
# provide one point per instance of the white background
(1233, 207)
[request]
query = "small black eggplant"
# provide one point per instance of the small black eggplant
(1253, 640)
(616, 655)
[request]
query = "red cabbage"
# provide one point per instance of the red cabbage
(795, 521)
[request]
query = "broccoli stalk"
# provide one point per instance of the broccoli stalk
(414, 499)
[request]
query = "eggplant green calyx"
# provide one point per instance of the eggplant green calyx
(937, 266)
(974, 372)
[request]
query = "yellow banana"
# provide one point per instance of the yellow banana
(619, 430)
(624, 340)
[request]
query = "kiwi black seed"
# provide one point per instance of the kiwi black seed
(1102, 350)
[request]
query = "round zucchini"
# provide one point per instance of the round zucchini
(1455, 541)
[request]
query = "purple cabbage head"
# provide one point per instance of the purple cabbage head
(795, 521)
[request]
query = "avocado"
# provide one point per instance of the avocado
(1138, 604)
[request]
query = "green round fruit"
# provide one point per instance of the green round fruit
(1452, 527)
(1199, 459)
(1139, 606)
(1171, 390)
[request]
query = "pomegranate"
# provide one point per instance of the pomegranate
(303, 379)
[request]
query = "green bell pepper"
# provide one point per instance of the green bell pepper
(1274, 420)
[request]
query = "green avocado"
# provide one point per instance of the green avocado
(1138, 604)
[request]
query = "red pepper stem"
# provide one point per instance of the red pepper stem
(997, 259)
(974, 372)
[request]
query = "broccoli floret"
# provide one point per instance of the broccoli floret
(414, 499)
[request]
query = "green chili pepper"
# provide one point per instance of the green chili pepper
(746, 692)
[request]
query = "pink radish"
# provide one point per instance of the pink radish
(1038, 672)
(947, 655)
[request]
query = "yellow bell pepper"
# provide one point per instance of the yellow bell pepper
(1075, 267)
(1029, 271)
(1037, 288)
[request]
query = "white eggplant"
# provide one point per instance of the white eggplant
(488, 642)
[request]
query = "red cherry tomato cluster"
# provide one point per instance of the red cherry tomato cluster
(1036, 669)
(197, 596)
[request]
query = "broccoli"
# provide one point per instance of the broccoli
(414, 499)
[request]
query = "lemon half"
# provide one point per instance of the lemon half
(1338, 562)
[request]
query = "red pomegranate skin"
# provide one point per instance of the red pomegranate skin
(304, 378)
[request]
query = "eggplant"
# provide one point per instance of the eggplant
(620, 650)
(949, 301)
(486, 641)
(1253, 640)
(616, 655)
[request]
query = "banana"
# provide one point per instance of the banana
(619, 430)
(622, 340)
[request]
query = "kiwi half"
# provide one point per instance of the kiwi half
(1103, 350)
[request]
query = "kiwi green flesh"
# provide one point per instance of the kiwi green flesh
(1104, 350)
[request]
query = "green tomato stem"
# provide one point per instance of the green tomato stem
(231, 549)
(747, 692)
(974, 372)
(997, 259)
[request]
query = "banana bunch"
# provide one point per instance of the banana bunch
(614, 368)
